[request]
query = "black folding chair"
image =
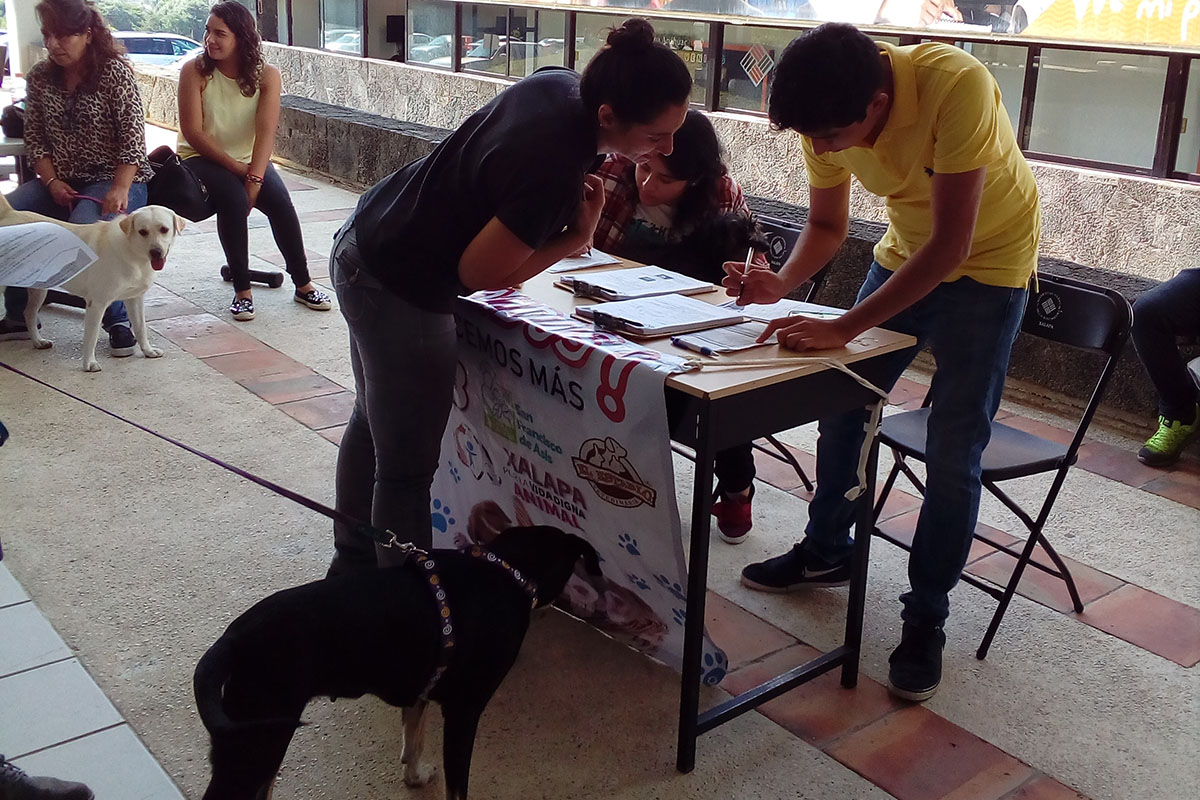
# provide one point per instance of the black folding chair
(1067, 312)
(781, 237)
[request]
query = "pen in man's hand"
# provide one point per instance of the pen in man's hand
(745, 269)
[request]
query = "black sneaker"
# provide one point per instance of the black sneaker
(314, 299)
(16, 785)
(916, 669)
(120, 341)
(242, 309)
(796, 569)
(11, 330)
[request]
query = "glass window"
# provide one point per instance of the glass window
(488, 28)
(1188, 158)
(1006, 62)
(537, 39)
(750, 56)
(688, 39)
(430, 33)
(341, 26)
(1099, 106)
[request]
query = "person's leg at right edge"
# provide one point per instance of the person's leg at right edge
(822, 558)
(974, 326)
(1160, 315)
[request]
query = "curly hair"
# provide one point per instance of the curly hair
(71, 17)
(249, 46)
(697, 159)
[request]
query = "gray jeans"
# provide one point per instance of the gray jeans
(404, 364)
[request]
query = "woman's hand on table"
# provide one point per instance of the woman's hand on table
(803, 333)
(753, 285)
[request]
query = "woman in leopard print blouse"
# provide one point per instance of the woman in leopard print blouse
(85, 134)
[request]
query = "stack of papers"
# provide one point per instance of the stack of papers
(784, 308)
(665, 315)
(629, 284)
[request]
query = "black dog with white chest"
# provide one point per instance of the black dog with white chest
(379, 632)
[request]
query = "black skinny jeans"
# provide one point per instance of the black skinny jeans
(1169, 310)
(227, 198)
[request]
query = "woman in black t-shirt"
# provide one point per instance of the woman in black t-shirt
(501, 199)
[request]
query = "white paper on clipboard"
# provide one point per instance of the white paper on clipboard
(41, 255)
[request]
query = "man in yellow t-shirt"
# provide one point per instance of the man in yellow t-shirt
(922, 126)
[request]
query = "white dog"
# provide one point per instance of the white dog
(129, 251)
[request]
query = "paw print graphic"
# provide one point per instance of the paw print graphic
(638, 581)
(671, 586)
(629, 543)
(714, 666)
(680, 615)
(455, 474)
(441, 516)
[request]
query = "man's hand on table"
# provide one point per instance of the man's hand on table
(802, 333)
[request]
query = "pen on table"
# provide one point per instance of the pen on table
(745, 269)
(695, 348)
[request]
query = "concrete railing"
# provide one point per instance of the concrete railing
(359, 148)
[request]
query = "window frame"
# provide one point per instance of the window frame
(1170, 123)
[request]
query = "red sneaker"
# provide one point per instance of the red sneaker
(734, 517)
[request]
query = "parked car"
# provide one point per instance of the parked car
(157, 48)
(346, 43)
(437, 47)
(483, 56)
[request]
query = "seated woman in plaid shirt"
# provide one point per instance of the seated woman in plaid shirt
(683, 211)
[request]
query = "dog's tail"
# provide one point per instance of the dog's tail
(212, 673)
(208, 683)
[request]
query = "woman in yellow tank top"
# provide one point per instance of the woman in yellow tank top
(228, 112)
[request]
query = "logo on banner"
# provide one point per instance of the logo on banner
(498, 413)
(605, 464)
(473, 455)
(758, 64)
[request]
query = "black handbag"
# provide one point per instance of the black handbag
(12, 120)
(177, 187)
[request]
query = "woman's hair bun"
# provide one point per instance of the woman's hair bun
(634, 32)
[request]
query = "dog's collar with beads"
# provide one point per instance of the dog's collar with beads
(428, 569)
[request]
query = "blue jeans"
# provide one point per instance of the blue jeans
(970, 327)
(404, 361)
(33, 196)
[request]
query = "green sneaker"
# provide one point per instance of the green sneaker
(1164, 447)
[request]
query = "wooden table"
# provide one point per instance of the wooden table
(729, 407)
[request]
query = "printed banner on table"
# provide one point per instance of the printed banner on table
(556, 423)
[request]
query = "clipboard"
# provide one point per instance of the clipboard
(631, 284)
(657, 316)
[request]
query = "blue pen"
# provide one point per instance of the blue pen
(695, 348)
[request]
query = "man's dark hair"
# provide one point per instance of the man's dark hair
(825, 79)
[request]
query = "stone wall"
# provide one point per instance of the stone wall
(358, 148)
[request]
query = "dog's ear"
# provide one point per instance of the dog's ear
(126, 224)
(180, 223)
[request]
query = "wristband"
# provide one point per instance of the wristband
(252, 178)
(50, 182)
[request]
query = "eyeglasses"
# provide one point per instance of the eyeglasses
(47, 36)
